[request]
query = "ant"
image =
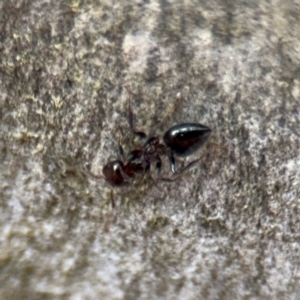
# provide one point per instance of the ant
(180, 140)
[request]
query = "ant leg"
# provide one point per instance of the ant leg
(182, 171)
(158, 166)
(146, 173)
(89, 173)
(172, 163)
(121, 152)
(110, 216)
(112, 200)
(171, 108)
(130, 114)
(141, 135)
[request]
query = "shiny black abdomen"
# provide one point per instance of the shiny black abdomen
(186, 138)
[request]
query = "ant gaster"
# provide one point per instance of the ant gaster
(180, 140)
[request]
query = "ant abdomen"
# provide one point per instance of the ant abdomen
(186, 138)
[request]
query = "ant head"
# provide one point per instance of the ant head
(114, 174)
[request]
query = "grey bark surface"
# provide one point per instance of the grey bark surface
(229, 228)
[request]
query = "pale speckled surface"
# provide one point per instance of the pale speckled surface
(229, 229)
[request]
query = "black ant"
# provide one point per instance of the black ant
(180, 140)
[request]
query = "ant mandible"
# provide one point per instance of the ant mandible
(180, 140)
